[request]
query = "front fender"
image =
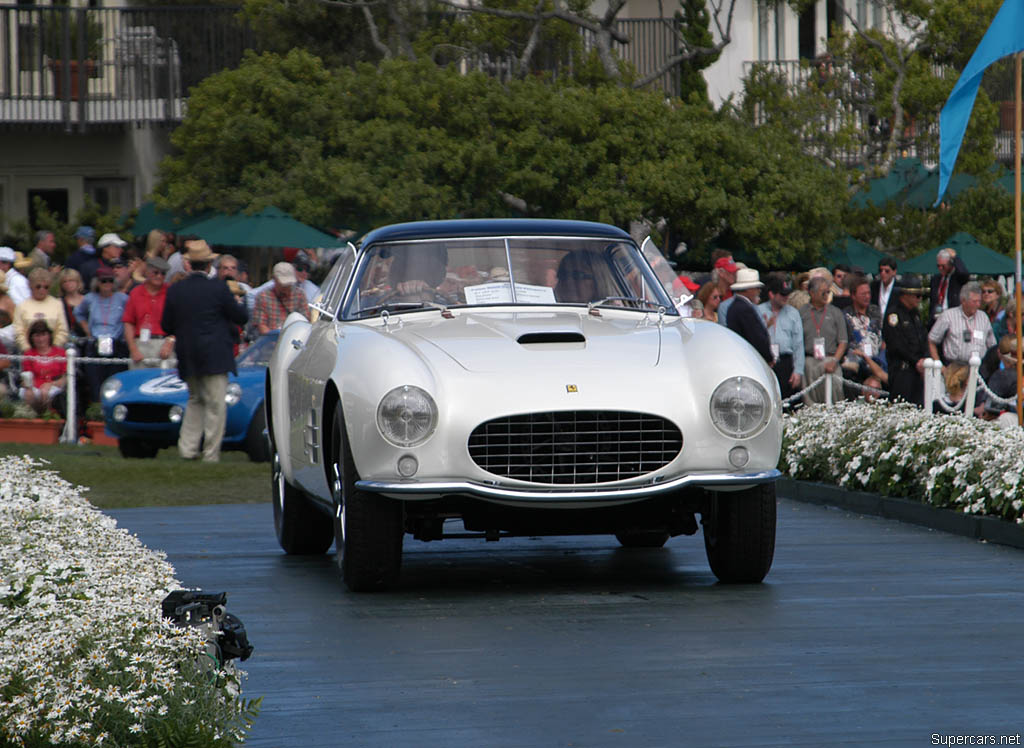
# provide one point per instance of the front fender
(293, 337)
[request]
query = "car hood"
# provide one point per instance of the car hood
(491, 341)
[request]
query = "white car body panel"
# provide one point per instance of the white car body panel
(471, 361)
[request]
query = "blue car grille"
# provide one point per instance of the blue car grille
(578, 447)
(147, 413)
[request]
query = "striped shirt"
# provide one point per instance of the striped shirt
(960, 335)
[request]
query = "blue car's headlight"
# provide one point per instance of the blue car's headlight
(407, 416)
(234, 394)
(109, 388)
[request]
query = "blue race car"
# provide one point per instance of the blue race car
(143, 408)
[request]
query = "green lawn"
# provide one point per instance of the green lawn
(167, 480)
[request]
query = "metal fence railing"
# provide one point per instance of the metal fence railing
(81, 66)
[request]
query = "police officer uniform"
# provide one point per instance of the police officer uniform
(906, 343)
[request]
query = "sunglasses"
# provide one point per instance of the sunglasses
(157, 272)
(40, 285)
(106, 280)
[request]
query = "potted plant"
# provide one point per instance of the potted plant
(71, 39)
(94, 427)
(20, 424)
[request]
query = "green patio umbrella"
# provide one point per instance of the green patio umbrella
(854, 253)
(923, 194)
(149, 217)
(978, 258)
(271, 227)
(904, 175)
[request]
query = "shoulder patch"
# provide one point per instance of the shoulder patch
(893, 320)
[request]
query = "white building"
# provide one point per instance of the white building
(137, 64)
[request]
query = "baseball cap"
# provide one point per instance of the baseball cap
(7, 255)
(104, 272)
(780, 285)
(284, 274)
(158, 263)
(84, 232)
(111, 238)
(726, 263)
(687, 283)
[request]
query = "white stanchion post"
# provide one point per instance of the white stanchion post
(71, 425)
(972, 384)
(828, 388)
(930, 393)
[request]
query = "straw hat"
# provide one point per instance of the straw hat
(197, 250)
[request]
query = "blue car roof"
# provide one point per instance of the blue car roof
(492, 227)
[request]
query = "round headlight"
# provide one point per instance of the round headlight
(109, 388)
(740, 407)
(407, 416)
(120, 412)
(175, 414)
(234, 393)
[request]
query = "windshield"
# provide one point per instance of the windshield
(259, 351)
(405, 276)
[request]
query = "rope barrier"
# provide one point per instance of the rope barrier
(82, 359)
(856, 385)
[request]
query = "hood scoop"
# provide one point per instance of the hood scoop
(551, 336)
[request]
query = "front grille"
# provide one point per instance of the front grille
(576, 446)
(147, 413)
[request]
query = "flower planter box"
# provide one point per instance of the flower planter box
(30, 430)
(97, 435)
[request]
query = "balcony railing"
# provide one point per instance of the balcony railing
(76, 67)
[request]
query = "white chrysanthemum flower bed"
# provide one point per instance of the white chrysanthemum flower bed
(85, 656)
(898, 450)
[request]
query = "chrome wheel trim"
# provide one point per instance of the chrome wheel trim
(278, 478)
(338, 493)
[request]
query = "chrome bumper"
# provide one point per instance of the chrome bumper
(494, 492)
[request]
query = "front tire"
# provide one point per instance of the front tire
(739, 533)
(368, 528)
(301, 528)
(257, 445)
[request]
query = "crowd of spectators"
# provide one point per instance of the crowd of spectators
(865, 336)
(107, 301)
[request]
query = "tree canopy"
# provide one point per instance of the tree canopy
(403, 140)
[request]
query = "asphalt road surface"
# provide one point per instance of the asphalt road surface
(867, 632)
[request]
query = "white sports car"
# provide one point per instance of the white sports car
(527, 377)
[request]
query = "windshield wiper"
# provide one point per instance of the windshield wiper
(632, 301)
(404, 306)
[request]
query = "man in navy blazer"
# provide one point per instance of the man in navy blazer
(884, 285)
(946, 284)
(743, 317)
(200, 313)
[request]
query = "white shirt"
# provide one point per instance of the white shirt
(17, 286)
(884, 293)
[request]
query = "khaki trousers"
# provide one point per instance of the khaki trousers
(813, 368)
(205, 417)
(150, 349)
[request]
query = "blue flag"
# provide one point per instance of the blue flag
(1004, 37)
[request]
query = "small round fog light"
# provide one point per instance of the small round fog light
(175, 414)
(407, 466)
(739, 456)
(120, 412)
